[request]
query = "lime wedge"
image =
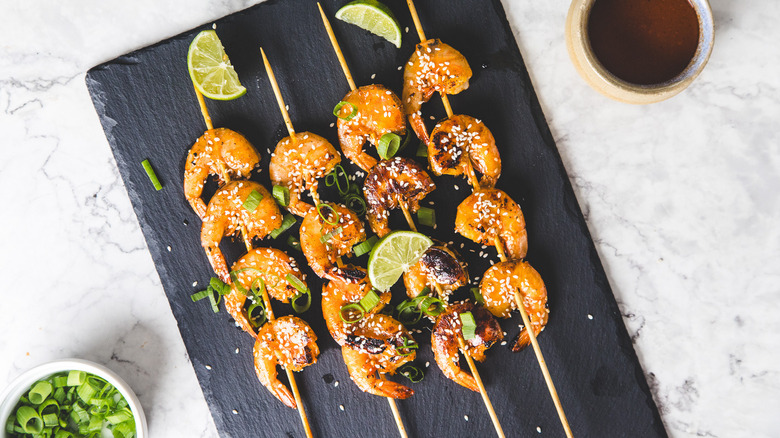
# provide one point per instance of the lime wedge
(393, 255)
(210, 68)
(374, 17)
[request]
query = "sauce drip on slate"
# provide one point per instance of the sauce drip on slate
(643, 41)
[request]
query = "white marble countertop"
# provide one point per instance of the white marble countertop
(681, 198)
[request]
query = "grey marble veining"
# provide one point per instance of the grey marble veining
(681, 198)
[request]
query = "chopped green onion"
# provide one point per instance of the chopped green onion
(422, 150)
(298, 307)
(325, 219)
(355, 203)
(62, 433)
(426, 216)
(408, 313)
(431, 306)
(76, 378)
(294, 243)
(208, 293)
(60, 381)
(120, 416)
(152, 176)
(332, 179)
(369, 301)
(124, 430)
(282, 195)
(365, 246)
(86, 391)
(39, 392)
(30, 421)
(287, 222)
(337, 111)
(412, 373)
(426, 291)
(329, 235)
(219, 286)
(256, 314)
(349, 309)
(469, 326)
(388, 145)
(478, 296)
(252, 201)
(409, 345)
(297, 283)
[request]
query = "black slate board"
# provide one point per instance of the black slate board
(148, 110)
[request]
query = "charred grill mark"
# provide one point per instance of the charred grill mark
(443, 266)
(369, 345)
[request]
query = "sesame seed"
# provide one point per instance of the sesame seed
(466, 417)
(208, 367)
(590, 316)
(538, 429)
(235, 412)
(341, 407)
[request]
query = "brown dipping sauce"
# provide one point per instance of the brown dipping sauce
(643, 42)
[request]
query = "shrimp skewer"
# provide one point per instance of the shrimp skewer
(305, 340)
(500, 248)
(365, 161)
(377, 111)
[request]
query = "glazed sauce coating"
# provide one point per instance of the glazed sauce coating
(643, 42)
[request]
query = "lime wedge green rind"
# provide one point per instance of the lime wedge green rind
(374, 17)
(210, 68)
(393, 255)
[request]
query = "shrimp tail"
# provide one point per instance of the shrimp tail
(217, 261)
(365, 377)
(448, 361)
(234, 303)
(265, 368)
(418, 125)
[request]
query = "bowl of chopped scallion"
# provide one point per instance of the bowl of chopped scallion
(71, 398)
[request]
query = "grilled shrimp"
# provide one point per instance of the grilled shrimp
(366, 369)
(351, 288)
(394, 183)
(219, 152)
(434, 66)
(445, 344)
(272, 267)
(439, 265)
(226, 216)
(287, 341)
(378, 112)
(296, 164)
(458, 139)
(498, 290)
(490, 213)
(327, 233)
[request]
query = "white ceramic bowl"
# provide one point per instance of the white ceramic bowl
(10, 395)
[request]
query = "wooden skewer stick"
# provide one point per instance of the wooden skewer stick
(393, 407)
(285, 115)
(290, 376)
(537, 350)
(337, 48)
(397, 415)
(203, 109)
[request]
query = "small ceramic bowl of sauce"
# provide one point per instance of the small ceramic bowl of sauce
(639, 51)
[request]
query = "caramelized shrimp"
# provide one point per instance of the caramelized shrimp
(226, 216)
(440, 266)
(219, 152)
(490, 213)
(459, 139)
(297, 163)
(351, 288)
(327, 233)
(270, 265)
(434, 66)
(287, 341)
(445, 343)
(367, 369)
(377, 111)
(498, 290)
(394, 183)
